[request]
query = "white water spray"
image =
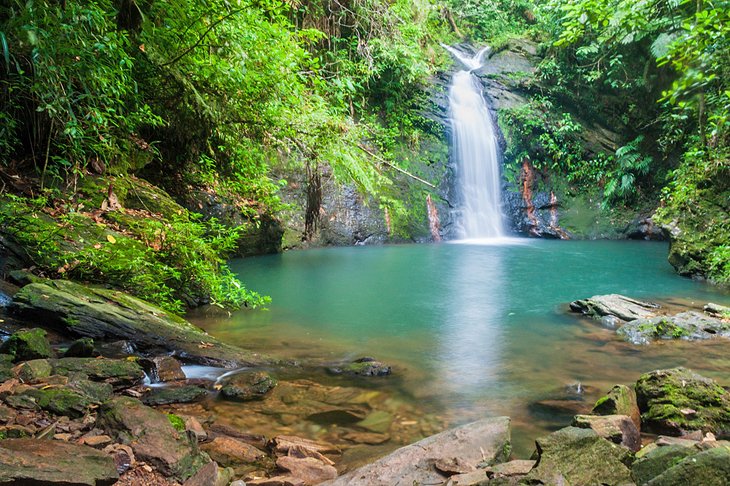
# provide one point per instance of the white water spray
(475, 148)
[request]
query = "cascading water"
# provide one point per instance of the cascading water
(475, 149)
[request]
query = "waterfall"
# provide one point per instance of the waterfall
(475, 148)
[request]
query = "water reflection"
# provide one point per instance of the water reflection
(470, 337)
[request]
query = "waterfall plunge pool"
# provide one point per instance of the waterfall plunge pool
(471, 331)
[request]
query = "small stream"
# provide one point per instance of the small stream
(471, 330)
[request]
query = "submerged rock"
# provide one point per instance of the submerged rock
(478, 443)
(579, 456)
(620, 306)
(362, 367)
(620, 400)
(247, 385)
(31, 461)
(689, 325)
(27, 345)
(151, 436)
(678, 400)
(109, 314)
(229, 451)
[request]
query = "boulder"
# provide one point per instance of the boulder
(678, 400)
(690, 325)
(119, 373)
(579, 456)
(31, 461)
(228, 451)
(620, 306)
(81, 348)
(619, 429)
(362, 367)
(27, 345)
(162, 369)
(247, 385)
(152, 437)
(478, 443)
(62, 401)
(708, 468)
(109, 314)
(175, 394)
(658, 460)
(620, 400)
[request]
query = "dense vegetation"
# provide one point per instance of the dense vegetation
(214, 96)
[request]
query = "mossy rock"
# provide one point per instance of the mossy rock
(362, 367)
(152, 437)
(175, 394)
(579, 456)
(620, 400)
(97, 392)
(677, 400)
(119, 373)
(6, 367)
(81, 348)
(27, 345)
(707, 468)
(34, 369)
(247, 385)
(62, 401)
(659, 460)
(109, 314)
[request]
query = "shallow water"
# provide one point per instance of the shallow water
(472, 330)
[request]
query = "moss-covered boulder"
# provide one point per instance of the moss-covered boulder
(35, 462)
(119, 373)
(579, 456)
(708, 468)
(678, 400)
(62, 401)
(152, 437)
(81, 348)
(658, 460)
(620, 400)
(108, 314)
(27, 345)
(247, 385)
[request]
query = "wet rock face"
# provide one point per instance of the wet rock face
(620, 306)
(676, 401)
(31, 461)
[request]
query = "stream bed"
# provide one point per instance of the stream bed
(471, 330)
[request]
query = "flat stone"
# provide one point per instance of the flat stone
(119, 373)
(35, 369)
(689, 326)
(283, 480)
(282, 443)
(518, 467)
(487, 440)
(452, 465)
(31, 461)
(256, 440)
(228, 451)
(152, 437)
(174, 394)
(473, 478)
(302, 452)
(619, 429)
(370, 438)
(625, 308)
(362, 367)
(95, 440)
(310, 470)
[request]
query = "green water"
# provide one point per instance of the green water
(472, 330)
